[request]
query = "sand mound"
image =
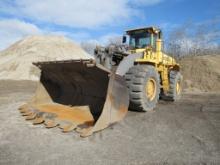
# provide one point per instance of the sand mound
(201, 73)
(16, 61)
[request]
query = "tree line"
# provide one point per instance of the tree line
(189, 39)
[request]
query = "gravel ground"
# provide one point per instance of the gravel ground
(184, 132)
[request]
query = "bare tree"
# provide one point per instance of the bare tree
(115, 40)
(195, 39)
(89, 46)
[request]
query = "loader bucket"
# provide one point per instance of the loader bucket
(77, 95)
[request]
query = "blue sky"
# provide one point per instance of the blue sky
(97, 20)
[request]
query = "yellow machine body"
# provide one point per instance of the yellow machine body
(153, 55)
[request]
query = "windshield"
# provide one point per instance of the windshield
(140, 39)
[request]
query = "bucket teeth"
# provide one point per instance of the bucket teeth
(69, 128)
(31, 117)
(79, 130)
(38, 120)
(84, 132)
(50, 123)
(28, 113)
(63, 124)
(25, 106)
(23, 110)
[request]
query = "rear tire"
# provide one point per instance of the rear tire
(144, 87)
(175, 90)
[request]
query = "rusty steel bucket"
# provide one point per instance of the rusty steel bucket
(77, 95)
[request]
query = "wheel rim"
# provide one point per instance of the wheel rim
(150, 89)
(178, 88)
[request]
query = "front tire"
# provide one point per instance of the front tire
(144, 88)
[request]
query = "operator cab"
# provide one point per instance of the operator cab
(142, 37)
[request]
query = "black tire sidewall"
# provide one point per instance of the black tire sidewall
(178, 78)
(150, 104)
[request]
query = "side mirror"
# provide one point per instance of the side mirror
(124, 39)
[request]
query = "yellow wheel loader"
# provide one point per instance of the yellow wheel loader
(89, 95)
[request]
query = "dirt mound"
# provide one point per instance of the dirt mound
(201, 73)
(16, 61)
